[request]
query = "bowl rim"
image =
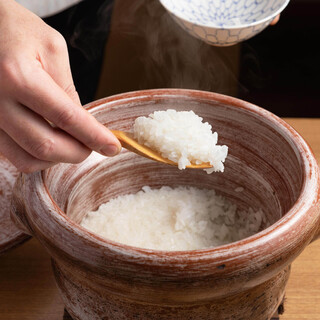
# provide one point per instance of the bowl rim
(212, 25)
(280, 236)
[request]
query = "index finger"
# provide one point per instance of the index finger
(41, 94)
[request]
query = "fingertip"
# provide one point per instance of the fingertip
(112, 145)
(111, 150)
(275, 20)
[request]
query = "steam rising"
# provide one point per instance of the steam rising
(90, 32)
(147, 49)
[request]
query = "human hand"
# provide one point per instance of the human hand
(42, 121)
(275, 20)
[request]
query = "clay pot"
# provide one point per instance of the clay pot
(101, 279)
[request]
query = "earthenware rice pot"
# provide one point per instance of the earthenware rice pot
(102, 279)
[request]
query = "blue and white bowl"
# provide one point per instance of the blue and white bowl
(224, 22)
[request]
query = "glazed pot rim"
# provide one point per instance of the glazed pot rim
(280, 230)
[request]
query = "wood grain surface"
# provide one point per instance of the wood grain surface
(28, 290)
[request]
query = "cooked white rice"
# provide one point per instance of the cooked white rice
(183, 218)
(181, 137)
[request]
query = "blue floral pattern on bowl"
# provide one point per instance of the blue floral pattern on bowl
(224, 22)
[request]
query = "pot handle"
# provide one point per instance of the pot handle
(18, 209)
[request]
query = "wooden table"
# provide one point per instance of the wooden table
(28, 290)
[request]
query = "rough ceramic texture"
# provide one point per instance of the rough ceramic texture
(10, 235)
(224, 22)
(101, 279)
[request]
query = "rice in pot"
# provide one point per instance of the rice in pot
(183, 218)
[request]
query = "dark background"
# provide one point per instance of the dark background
(280, 67)
(277, 69)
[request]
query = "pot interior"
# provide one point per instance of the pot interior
(263, 163)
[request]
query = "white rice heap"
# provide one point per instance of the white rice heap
(181, 137)
(184, 218)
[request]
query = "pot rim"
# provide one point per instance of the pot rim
(280, 236)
